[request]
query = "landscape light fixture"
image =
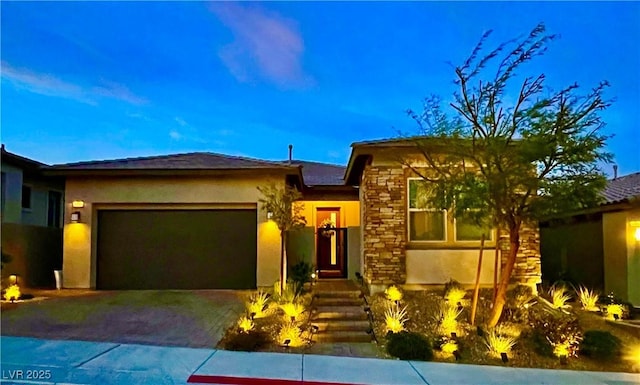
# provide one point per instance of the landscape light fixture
(454, 335)
(252, 315)
(269, 215)
(286, 343)
(75, 217)
(77, 204)
(504, 357)
(13, 279)
(457, 355)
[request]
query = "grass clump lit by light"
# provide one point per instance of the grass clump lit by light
(292, 333)
(12, 293)
(257, 304)
(588, 298)
(498, 344)
(449, 347)
(395, 318)
(455, 295)
(393, 294)
(508, 329)
(632, 355)
(614, 310)
(292, 310)
(559, 296)
(246, 324)
(447, 319)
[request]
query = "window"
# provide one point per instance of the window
(54, 211)
(425, 223)
(26, 197)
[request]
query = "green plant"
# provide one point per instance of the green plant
(519, 303)
(588, 298)
(291, 335)
(615, 311)
(246, 324)
(248, 342)
(559, 296)
(394, 318)
(292, 310)
(288, 294)
(601, 345)
(409, 346)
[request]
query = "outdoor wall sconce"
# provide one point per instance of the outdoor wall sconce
(269, 215)
(78, 204)
(75, 217)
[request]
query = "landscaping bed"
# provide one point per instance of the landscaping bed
(567, 337)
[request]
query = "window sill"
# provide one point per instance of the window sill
(449, 245)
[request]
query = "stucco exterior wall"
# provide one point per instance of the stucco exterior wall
(12, 212)
(194, 192)
(622, 255)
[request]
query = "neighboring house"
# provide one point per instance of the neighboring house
(31, 219)
(195, 221)
(600, 247)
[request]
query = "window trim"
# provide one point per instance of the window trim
(450, 229)
(410, 210)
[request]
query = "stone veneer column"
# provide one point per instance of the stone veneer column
(527, 269)
(384, 226)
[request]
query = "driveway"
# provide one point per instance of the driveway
(196, 319)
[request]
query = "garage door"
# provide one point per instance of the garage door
(177, 249)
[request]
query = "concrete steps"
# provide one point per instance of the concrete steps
(340, 317)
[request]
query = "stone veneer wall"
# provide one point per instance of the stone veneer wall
(384, 225)
(383, 190)
(528, 269)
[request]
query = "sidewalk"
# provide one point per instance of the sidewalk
(79, 362)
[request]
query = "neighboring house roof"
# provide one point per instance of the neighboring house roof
(622, 188)
(25, 164)
(320, 174)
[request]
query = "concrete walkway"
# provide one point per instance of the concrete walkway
(80, 362)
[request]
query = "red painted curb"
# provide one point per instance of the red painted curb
(229, 380)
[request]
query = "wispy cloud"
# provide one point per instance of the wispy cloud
(264, 41)
(49, 85)
(175, 135)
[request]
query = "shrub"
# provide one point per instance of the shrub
(301, 274)
(519, 302)
(292, 310)
(257, 304)
(246, 324)
(616, 311)
(562, 333)
(293, 333)
(409, 346)
(248, 342)
(289, 293)
(447, 319)
(601, 345)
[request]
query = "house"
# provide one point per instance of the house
(31, 216)
(195, 221)
(600, 247)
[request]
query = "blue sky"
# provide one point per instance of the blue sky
(104, 80)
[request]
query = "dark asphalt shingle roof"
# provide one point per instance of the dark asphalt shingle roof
(320, 174)
(622, 188)
(188, 161)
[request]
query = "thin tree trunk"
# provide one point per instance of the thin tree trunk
(282, 261)
(495, 265)
(505, 276)
(474, 305)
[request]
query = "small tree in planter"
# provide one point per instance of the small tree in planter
(280, 202)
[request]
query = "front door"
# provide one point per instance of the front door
(331, 244)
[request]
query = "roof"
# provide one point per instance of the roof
(320, 174)
(188, 161)
(20, 161)
(622, 188)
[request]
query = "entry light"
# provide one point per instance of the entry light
(77, 204)
(75, 216)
